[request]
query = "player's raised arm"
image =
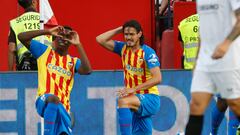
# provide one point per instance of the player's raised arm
(26, 37)
(105, 39)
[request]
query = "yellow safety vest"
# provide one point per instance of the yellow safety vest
(27, 22)
(190, 36)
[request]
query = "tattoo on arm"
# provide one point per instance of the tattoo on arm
(236, 29)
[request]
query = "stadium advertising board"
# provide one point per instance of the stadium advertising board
(93, 102)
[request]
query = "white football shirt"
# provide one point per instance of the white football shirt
(217, 19)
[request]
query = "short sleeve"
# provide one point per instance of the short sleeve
(118, 45)
(78, 64)
(37, 48)
(151, 58)
(235, 4)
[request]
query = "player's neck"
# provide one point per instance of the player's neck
(135, 47)
(61, 52)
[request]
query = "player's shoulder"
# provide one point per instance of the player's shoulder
(147, 49)
(121, 43)
(149, 52)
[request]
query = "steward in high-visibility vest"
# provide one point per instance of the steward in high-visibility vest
(190, 36)
(28, 21)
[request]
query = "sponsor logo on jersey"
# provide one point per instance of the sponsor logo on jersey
(59, 70)
(153, 59)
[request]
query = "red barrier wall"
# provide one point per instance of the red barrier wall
(181, 10)
(8, 10)
(90, 18)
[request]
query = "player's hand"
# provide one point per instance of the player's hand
(55, 31)
(221, 50)
(73, 38)
(125, 92)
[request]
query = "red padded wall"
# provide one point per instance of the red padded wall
(8, 10)
(167, 50)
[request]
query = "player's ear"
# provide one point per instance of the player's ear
(139, 34)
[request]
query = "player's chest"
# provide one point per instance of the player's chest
(60, 66)
(134, 59)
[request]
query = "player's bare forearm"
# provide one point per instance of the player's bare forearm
(148, 84)
(26, 37)
(156, 79)
(85, 67)
(236, 29)
(105, 39)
